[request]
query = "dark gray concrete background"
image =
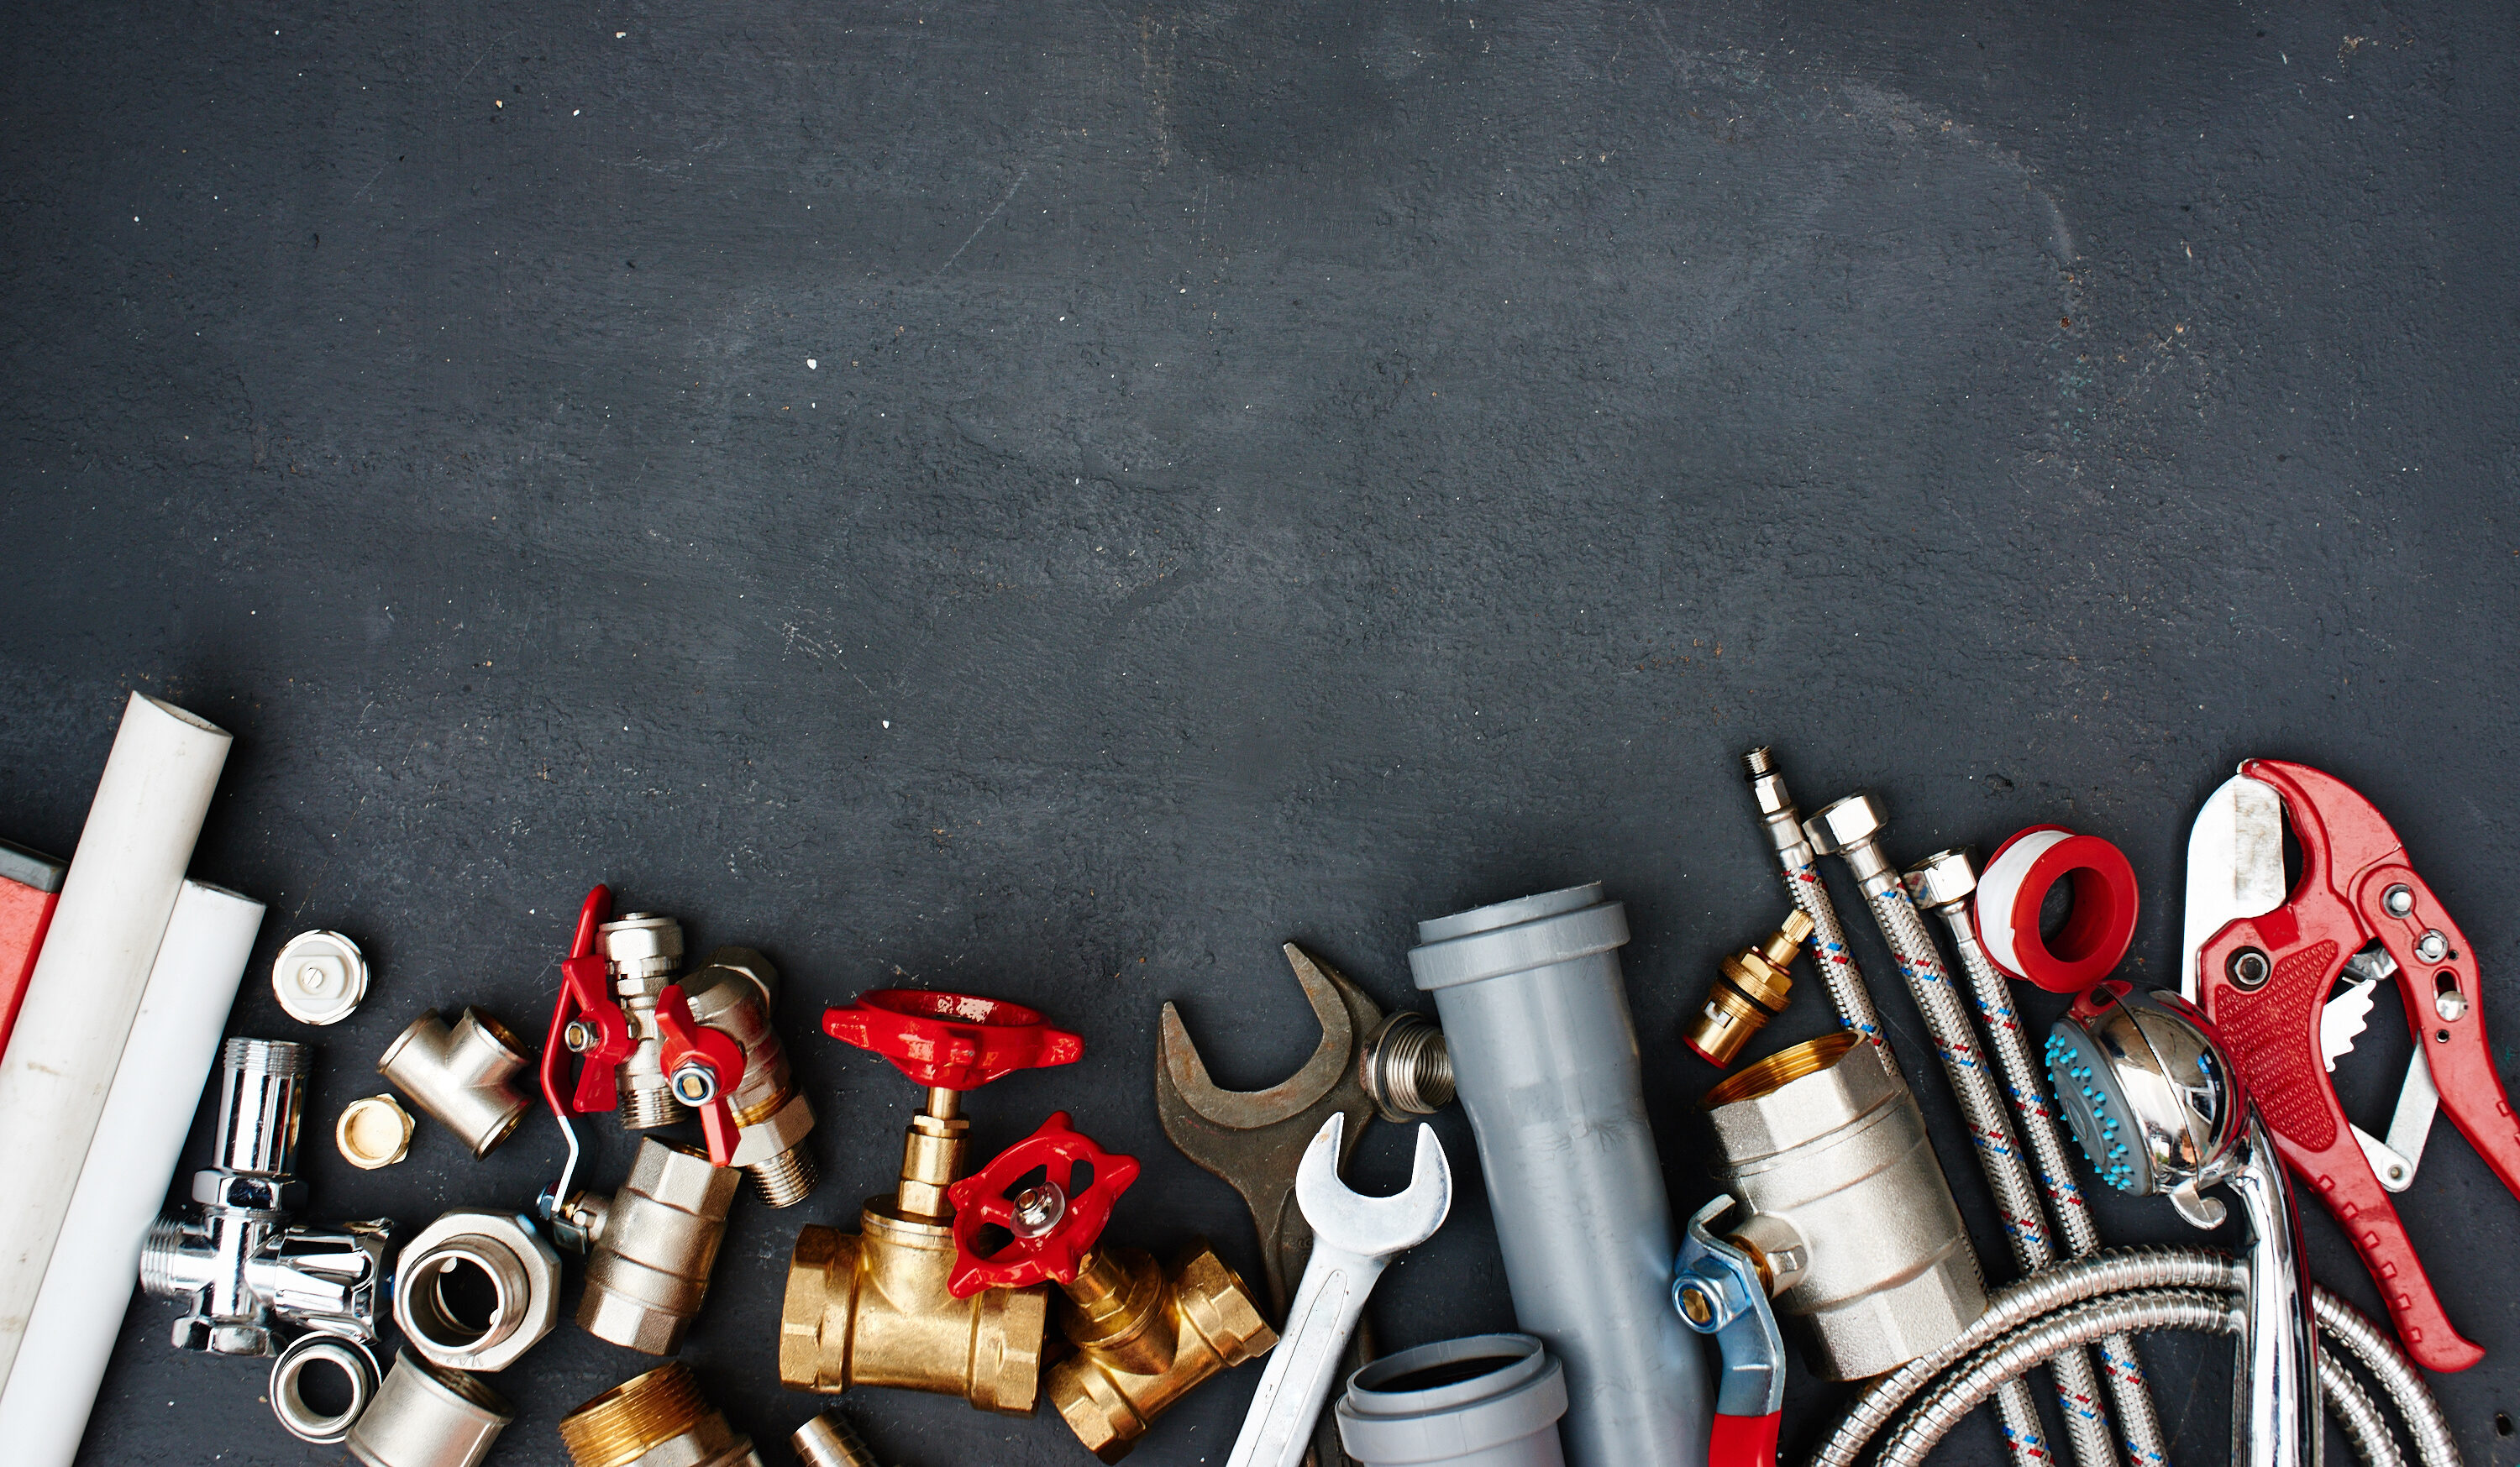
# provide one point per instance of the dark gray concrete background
(1054, 499)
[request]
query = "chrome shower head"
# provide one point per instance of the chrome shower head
(2148, 1094)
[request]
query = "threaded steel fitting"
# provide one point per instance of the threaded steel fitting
(655, 1420)
(735, 994)
(1405, 1067)
(642, 950)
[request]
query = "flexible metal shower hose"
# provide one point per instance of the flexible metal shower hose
(2120, 1365)
(2016, 1198)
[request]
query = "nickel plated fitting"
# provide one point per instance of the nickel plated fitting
(659, 1419)
(424, 1416)
(232, 1255)
(1405, 1067)
(465, 1077)
(1751, 988)
(336, 1353)
(641, 953)
(735, 994)
(874, 1307)
(1843, 1208)
(476, 1289)
(654, 1243)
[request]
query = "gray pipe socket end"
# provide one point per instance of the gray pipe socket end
(1510, 937)
(1489, 1400)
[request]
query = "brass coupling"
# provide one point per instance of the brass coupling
(465, 1077)
(735, 994)
(1750, 988)
(1143, 1338)
(654, 1243)
(659, 1419)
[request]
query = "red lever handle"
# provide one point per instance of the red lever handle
(951, 1040)
(586, 1003)
(702, 1065)
(1743, 1440)
(1048, 1244)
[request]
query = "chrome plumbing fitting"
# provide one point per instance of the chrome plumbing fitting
(339, 1354)
(424, 1416)
(445, 1271)
(735, 994)
(655, 1242)
(1406, 1068)
(642, 951)
(659, 1419)
(464, 1078)
(232, 1253)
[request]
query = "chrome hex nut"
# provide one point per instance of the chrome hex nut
(1850, 822)
(455, 1256)
(1942, 878)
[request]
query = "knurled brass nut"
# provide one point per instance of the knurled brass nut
(1940, 880)
(1850, 822)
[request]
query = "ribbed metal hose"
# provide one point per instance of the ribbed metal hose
(2120, 1365)
(2364, 1426)
(2016, 1197)
(2340, 1324)
(1831, 955)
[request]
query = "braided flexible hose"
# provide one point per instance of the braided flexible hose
(2364, 1426)
(2008, 1175)
(2120, 1367)
(2342, 1325)
(1831, 955)
(2016, 1304)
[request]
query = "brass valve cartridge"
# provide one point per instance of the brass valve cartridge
(659, 1419)
(1144, 1337)
(735, 994)
(642, 951)
(465, 1077)
(1750, 988)
(655, 1242)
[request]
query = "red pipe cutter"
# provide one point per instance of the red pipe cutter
(2263, 961)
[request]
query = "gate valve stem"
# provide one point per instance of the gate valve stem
(702, 1065)
(585, 1022)
(1053, 1226)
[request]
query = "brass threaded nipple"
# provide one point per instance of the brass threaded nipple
(635, 1416)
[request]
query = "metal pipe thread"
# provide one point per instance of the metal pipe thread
(273, 1057)
(644, 1109)
(634, 1416)
(160, 1248)
(1407, 1067)
(784, 1179)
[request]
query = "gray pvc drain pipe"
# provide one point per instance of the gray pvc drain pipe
(1490, 1401)
(1544, 1058)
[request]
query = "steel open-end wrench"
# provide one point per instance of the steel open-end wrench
(1353, 1237)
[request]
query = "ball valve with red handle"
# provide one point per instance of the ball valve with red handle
(588, 1023)
(1144, 1335)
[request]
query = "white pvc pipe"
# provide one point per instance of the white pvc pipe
(86, 987)
(157, 1088)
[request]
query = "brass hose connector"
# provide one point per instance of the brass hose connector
(1143, 1338)
(1750, 988)
(465, 1077)
(642, 951)
(655, 1241)
(734, 995)
(655, 1420)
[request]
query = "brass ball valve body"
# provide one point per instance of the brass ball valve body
(1144, 1337)
(876, 1308)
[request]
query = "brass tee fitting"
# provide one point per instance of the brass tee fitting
(655, 1242)
(872, 1308)
(464, 1078)
(655, 1420)
(1144, 1339)
(1750, 988)
(734, 995)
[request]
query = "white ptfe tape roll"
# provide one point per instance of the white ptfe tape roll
(2001, 887)
(87, 981)
(159, 1085)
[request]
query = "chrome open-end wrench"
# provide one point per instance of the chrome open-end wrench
(1353, 1237)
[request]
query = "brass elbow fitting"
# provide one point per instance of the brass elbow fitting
(642, 951)
(659, 1419)
(1143, 1338)
(873, 1308)
(655, 1241)
(464, 1078)
(734, 995)
(1751, 988)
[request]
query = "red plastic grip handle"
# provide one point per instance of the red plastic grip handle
(981, 1199)
(685, 1042)
(951, 1041)
(1743, 1440)
(586, 996)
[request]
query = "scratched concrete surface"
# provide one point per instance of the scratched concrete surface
(1055, 500)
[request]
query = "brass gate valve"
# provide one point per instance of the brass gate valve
(874, 1307)
(1143, 1337)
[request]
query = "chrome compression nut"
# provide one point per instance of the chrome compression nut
(424, 1416)
(735, 994)
(464, 1078)
(659, 1419)
(467, 1248)
(655, 1241)
(348, 1356)
(642, 951)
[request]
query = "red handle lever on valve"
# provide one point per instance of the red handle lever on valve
(702, 1065)
(1053, 1225)
(586, 1021)
(951, 1041)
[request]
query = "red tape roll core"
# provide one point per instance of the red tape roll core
(2099, 928)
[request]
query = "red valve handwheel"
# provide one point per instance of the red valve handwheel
(981, 1199)
(586, 997)
(686, 1045)
(951, 1040)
